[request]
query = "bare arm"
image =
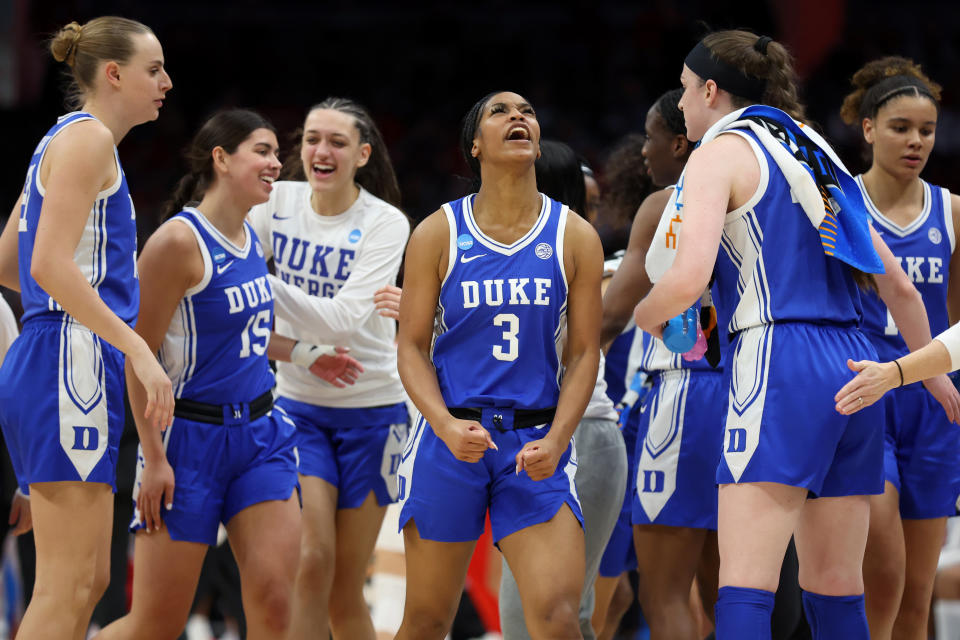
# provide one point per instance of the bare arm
(9, 251)
(327, 362)
(711, 176)
(874, 379)
(336, 319)
(170, 264)
(630, 283)
(71, 188)
(426, 256)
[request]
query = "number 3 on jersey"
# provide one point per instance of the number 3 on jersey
(512, 323)
(258, 326)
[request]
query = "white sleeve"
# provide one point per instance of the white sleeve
(8, 328)
(259, 219)
(333, 320)
(951, 340)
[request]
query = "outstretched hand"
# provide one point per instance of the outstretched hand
(337, 368)
(873, 379)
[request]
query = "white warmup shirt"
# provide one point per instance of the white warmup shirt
(333, 266)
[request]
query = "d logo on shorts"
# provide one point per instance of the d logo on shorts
(85, 438)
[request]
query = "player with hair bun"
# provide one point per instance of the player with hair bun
(70, 248)
(896, 106)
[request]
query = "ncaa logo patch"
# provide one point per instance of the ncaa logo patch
(354, 236)
(219, 255)
(543, 251)
(259, 250)
(935, 236)
(464, 241)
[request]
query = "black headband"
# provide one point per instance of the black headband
(892, 87)
(703, 63)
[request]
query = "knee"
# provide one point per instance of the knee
(78, 591)
(421, 623)
(558, 618)
(316, 566)
(272, 595)
(840, 581)
(915, 606)
(622, 599)
(99, 583)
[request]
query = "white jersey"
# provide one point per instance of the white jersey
(332, 266)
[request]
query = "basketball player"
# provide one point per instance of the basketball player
(897, 106)
(671, 505)
(229, 456)
(601, 454)
(71, 239)
(504, 268)
(789, 297)
(335, 233)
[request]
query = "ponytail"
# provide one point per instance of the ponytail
(225, 129)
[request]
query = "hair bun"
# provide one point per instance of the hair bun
(64, 44)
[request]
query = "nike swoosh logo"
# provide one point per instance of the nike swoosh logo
(279, 217)
(223, 267)
(465, 259)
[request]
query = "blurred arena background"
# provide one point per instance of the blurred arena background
(590, 67)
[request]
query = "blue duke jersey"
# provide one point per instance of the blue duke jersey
(923, 248)
(107, 252)
(501, 312)
(771, 266)
(215, 349)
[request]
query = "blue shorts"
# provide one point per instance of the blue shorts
(220, 470)
(449, 498)
(781, 423)
(620, 555)
(355, 450)
(680, 436)
(61, 404)
(921, 453)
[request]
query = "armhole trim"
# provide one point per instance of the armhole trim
(561, 235)
(948, 217)
(204, 253)
(102, 195)
(761, 185)
(452, 240)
